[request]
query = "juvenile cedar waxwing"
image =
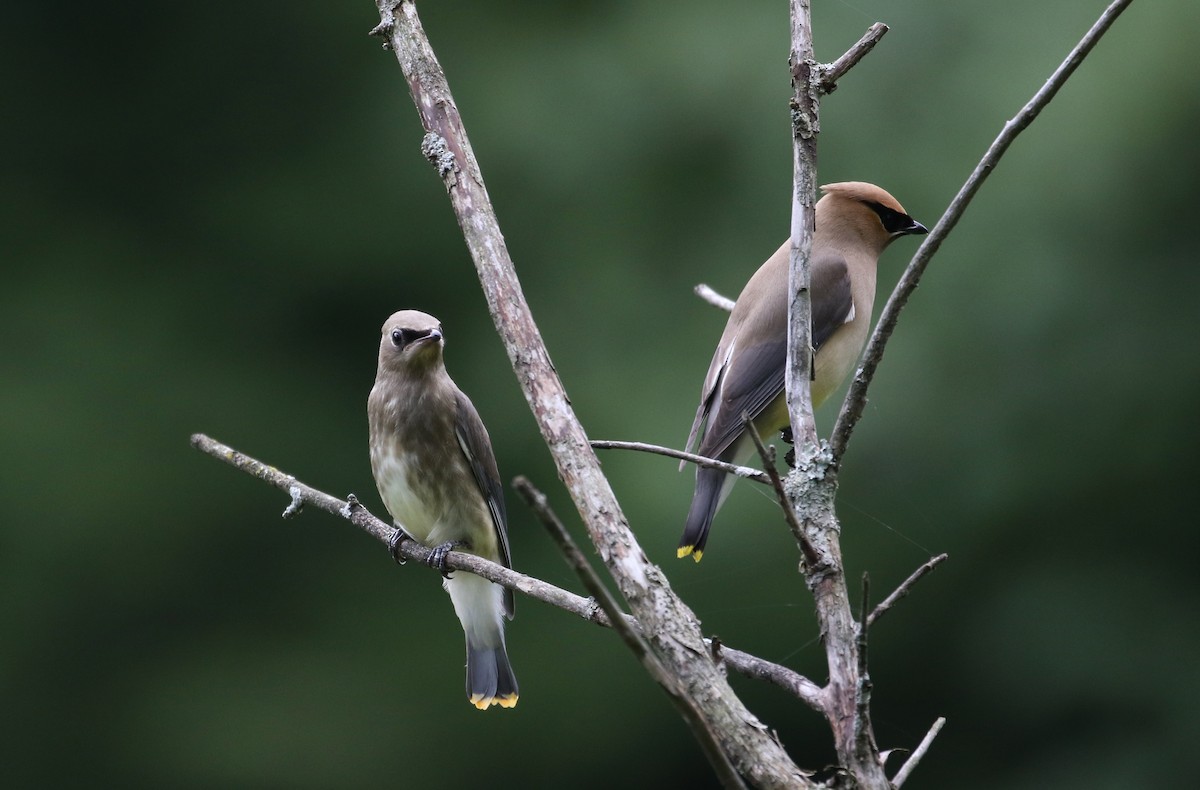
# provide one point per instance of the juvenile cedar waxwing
(854, 223)
(433, 464)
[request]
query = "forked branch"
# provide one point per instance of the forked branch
(690, 666)
(633, 638)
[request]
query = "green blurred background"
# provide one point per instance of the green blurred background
(209, 208)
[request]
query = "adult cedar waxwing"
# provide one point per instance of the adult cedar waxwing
(855, 221)
(433, 464)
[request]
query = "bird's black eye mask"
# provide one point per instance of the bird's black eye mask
(893, 221)
(402, 337)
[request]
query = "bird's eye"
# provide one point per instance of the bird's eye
(398, 338)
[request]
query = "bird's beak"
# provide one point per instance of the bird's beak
(432, 339)
(915, 229)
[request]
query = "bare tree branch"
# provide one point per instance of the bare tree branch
(408, 549)
(350, 509)
(806, 106)
(856, 398)
(747, 472)
(911, 763)
(887, 603)
(828, 75)
(864, 736)
(812, 484)
(810, 489)
(789, 515)
(670, 626)
(630, 636)
(789, 680)
(666, 634)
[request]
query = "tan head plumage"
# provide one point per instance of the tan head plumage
(856, 209)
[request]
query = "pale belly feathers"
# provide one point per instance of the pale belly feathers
(433, 519)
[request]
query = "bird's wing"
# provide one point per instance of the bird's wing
(832, 302)
(749, 380)
(712, 382)
(477, 448)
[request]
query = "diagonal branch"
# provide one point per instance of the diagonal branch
(301, 494)
(670, 626)
(887, 603)
(856, 398)
(687, 706)
(911, 763)
(789, 514)
(715, 299)
(828, 75)
(863, 734)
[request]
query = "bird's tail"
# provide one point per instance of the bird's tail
(711, 486)
(490, 678)
(479, 605)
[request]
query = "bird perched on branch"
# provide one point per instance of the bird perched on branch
(855, 221)
(433, 464)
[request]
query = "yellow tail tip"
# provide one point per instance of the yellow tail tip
(689, 551)
(483, 703)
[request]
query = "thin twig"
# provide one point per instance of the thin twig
(354, 512)
(789, 680)
(350, 509)
(713, 298)
(911, 763)
(862, 631)
(747, 472)
(856, 398)
(301, 493)
(630, 636)
(887, 603)
(789, 514)
(828, 75)
(862, 719)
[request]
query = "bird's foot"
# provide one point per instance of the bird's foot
(785, 436)
(393, 544)
(437, 557)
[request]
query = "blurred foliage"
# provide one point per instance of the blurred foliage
(209, 208)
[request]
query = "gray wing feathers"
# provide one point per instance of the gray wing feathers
(477, 448)
(832, 302)
(712, 383)
(752, 377)
(750, 381)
